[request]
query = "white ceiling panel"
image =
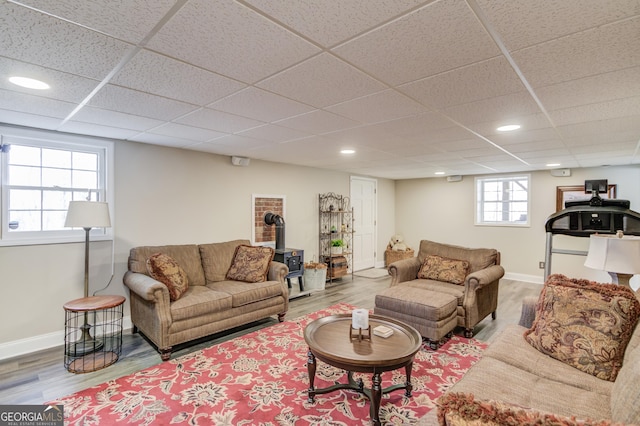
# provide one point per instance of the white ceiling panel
(414, 86)
(231, 39)
(260, 105)
(152, 73)
(439, 37)
(217, 120)
(321, 81)
(36, 38)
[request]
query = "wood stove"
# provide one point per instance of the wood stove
(292, 257)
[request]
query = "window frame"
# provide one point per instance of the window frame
(64, 141)
(479, 200)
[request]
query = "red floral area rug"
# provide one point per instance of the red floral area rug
(261, 379)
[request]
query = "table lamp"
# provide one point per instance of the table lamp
(87, 215)
(618, 254)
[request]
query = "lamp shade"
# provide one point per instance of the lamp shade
(613, 254)
(88, 214)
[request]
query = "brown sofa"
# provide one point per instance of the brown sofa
(477, 297)
(210, 305)
(515, 381)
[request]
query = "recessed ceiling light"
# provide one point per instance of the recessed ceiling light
(348, 151)
(553, 164)
(508, 128)
(439, 173)
(29, 83)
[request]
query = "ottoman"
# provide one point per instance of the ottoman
(433, 314)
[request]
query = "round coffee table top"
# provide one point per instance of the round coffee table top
(329, 340)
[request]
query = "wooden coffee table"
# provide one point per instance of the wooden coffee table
(329, 341)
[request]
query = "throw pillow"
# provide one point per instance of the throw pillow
(584, 324)
(165, 269)
(444, 269)
(250, 264)
(459, 409)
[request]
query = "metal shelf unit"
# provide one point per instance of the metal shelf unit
(336, 223)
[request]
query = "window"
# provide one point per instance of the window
(502, 201)
(42, 172)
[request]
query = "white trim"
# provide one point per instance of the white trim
(44, 341)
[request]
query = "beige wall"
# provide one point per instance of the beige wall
(163, 196)
(438, 210)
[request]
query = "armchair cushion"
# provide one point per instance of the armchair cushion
(250, 264)
(584, 324)
(165, 269)
(443, 269)
(217, 259)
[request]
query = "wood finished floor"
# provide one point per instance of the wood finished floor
(40, 377)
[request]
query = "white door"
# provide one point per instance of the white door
(364, 202)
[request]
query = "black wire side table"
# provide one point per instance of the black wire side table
(92, 333)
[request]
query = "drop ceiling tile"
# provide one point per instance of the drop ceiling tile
(523, 23)
(129, 101)
(528, 122)
(482, 80)
(382, 106)
(525, 137)
(502, 108)
(318, 122)
(599, 111)
(30, 120)
(63, 86)
(112, 118)
(156, 74)
(331, 21)
(36, 38)
(627, 147)
(274, 133)
(550, 153)
(438, 37)
(629, 124)
(217, 120)
(417, 126)
(604, 49)
(322, 81)
(96, 130)
(163, 140)
(31, 104)
(588, 90)
(186, 132)
(533, 146)
(129, 20)
(231, 39)
(260, 105)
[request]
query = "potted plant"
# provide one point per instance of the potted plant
(336, 247)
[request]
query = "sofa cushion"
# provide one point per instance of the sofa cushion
(198, 301)
(217, 258)
(460, 409)
(440, 268)
(625, 395)
(187, 256)
(584, 324)
(165, 269)
(478, 258)
(454, 290)
(250, 264)
(243, 293)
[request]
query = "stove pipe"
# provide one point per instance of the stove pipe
(278, 221)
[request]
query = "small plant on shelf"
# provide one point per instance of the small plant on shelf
(336, 246)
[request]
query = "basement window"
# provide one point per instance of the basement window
(503, 201)
(41, 173)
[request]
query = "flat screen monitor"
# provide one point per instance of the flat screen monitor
(597, 185)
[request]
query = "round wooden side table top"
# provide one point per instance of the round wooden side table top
(93, 303)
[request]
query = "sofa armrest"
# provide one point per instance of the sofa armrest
(146, 287)
(478, 279)
(277, 272)
(528, 313)
(404, 270)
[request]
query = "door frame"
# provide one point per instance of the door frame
(374, 213)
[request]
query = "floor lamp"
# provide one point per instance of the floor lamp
(618, 254)
(87, 215)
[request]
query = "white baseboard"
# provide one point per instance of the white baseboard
(534, 279)
(41, 342)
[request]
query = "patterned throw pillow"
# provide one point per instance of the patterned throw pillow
(584, 324)
(250, 264)
(165, 269)
(444, 269)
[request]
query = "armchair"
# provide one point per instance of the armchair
(477, 297)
